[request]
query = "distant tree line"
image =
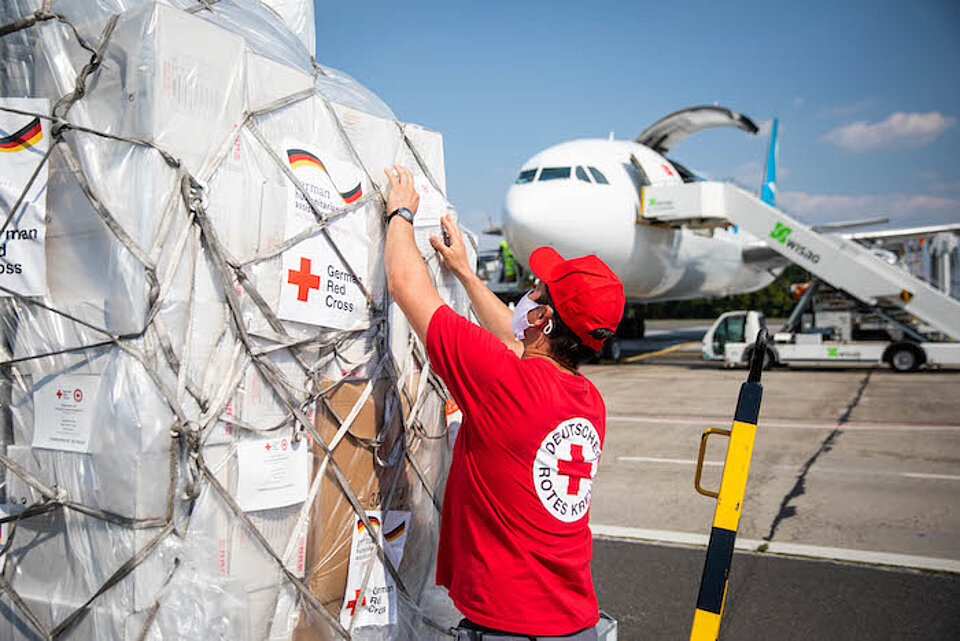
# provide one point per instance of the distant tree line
(774, 300)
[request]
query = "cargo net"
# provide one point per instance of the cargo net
(165, 402)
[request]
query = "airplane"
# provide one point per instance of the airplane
(584, 197)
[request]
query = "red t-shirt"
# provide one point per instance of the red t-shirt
(515, 544)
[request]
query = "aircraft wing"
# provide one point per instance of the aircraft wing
(669, 130)
(903, 233)
(845, 225)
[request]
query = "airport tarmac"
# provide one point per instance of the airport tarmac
(851, 464)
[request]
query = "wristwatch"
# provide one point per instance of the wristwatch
(403, 212)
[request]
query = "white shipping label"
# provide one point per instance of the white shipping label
(63, 409)
(272, 473)
(427, 221)
(316, 286)
(24, 141)
(378, 604)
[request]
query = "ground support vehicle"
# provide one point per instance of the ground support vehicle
(823, 335)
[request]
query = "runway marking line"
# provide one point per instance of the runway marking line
(674, 461)
(800, 425)
(780, 548)
(938, 477)
(821, 470)
(659, 352)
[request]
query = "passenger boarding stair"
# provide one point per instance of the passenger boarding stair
(844, 264)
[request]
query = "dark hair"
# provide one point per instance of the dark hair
(565, 346)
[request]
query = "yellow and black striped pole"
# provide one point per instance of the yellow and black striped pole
(726, 518)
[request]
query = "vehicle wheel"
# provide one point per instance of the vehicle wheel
(904, 358)
(612, 349)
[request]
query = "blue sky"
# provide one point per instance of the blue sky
(866, 92)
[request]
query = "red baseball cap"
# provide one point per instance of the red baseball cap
(587, 295)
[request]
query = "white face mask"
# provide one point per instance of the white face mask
(519, 323)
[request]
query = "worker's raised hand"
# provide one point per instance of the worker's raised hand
(454, 255)
(402, 191)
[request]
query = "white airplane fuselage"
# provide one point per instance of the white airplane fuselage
(570, 209)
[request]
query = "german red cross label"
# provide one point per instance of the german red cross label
(321, 276)
(377, 605)
(24, 141)
(565, 467)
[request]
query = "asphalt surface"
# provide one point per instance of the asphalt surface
(849, 463)
(651, 591)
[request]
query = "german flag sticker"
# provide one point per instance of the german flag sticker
(392, 535)
(303, 158)
(25, 137)
(395, 533)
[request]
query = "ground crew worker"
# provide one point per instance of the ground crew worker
(515, 546)
(508, 262)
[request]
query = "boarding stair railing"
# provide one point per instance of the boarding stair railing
(843, 263)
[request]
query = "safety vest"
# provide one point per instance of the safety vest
(509, 262)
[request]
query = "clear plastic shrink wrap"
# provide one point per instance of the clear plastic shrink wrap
(214, 424)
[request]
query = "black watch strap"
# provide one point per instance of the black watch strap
(403, 212)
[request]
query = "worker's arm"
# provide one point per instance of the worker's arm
(408, 282)
(490, 310)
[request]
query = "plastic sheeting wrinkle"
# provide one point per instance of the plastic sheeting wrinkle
(63, 105)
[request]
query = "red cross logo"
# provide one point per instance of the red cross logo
(303, 279)
(59, 394)
(352, 605)
(267, 446)
(576, 469)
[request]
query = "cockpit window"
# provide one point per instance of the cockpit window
(582, 175)
(554, 173)
(598, 176)
(526, 176)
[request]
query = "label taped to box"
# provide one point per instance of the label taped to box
(24, 142)
(63, 409)
(379, 603)
(272, 473)
(316, 286)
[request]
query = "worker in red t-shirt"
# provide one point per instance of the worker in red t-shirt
(515, 543)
